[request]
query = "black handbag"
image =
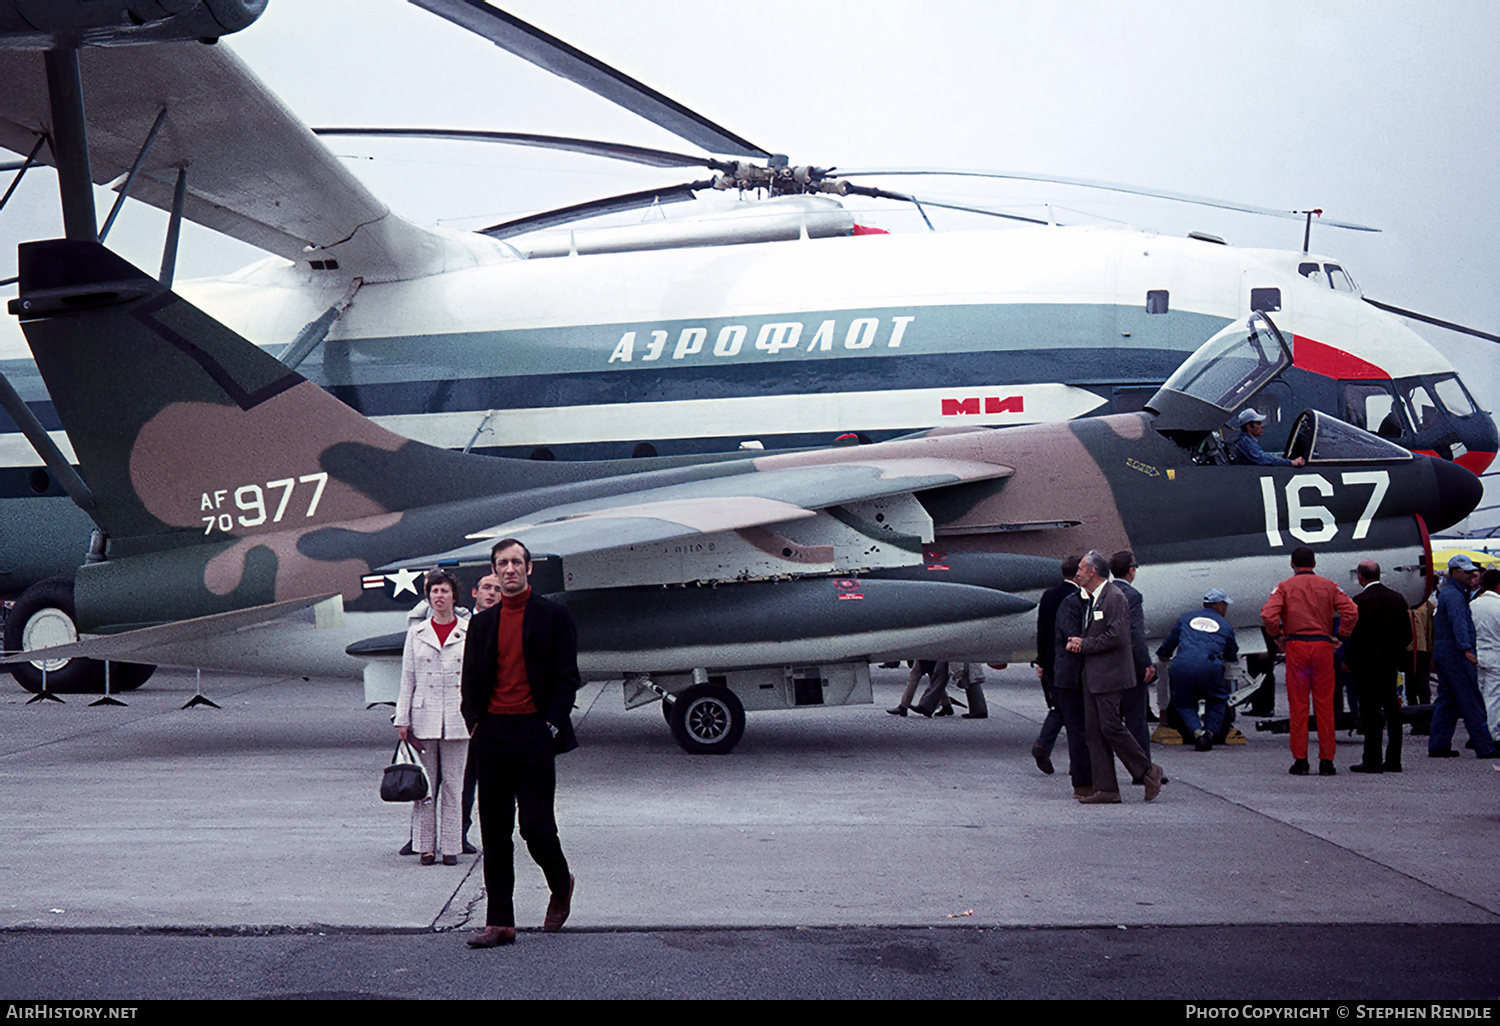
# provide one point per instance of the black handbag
(405, 779)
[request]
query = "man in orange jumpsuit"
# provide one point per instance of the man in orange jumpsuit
(1303, 614)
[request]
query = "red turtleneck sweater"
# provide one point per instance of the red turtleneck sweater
(512, 694)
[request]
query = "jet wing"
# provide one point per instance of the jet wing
(120, 646)
(254, 171)
(732, 503)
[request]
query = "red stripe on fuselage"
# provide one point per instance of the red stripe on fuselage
(1476, 463)
(1331, 362)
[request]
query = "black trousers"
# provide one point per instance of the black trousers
(516, 771)
(1379, 707)
(1133, 706)
(1070, 707)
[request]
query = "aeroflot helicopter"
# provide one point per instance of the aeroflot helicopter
(776, 321)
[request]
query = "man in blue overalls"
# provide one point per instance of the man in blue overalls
(1204, 642)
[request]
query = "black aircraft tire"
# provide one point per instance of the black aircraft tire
(666, 711)
(43, 615)
(707, 719)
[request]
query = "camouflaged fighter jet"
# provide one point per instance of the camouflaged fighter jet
(253, 520)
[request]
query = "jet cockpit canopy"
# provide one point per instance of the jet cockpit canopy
(1221, 377)
(1320, 438)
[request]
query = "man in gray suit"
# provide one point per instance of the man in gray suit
(1108, 672)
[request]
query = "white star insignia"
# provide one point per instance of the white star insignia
(404, 580)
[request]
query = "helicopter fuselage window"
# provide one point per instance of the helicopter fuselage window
(1450, 392)
(1156, 301)
(1265, 300)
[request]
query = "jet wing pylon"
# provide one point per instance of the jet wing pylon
(737, 502)
(254, 171)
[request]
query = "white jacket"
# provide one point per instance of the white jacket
(1486, 612)
(431, 700)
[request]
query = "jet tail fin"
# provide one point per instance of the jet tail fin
(187, 432)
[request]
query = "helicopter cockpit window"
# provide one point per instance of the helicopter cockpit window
(1451, 393)
(1321, 438)
(1424, 412)
(1338, 279)
(1332, 275)
(1372, 405)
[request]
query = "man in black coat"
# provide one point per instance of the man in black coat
(519, 680)
(1046, 646)
(1136, 702)
(1377, 649)
(1067, 690)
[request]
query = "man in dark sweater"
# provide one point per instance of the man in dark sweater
(519, 680)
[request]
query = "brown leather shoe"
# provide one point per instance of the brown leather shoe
(1082, 792)
(493, 937)
(1043, 760)
(1153, 781)
(1102, 798)
(558, 909)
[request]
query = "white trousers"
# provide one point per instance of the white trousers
(442, 810)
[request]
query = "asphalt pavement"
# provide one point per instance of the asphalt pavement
(152, 851)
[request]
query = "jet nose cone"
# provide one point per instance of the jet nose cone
(1458, 493)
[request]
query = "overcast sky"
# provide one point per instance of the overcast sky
(1380, 113)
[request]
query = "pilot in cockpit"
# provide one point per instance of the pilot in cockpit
(1246, 448)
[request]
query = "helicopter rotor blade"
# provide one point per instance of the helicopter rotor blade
(594, 208)
(591, 147)
(1089, 183)
(545, 51)
(1432, 320)
(922, 201)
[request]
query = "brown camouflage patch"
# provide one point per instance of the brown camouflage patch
(183, 474)
(1056, 479)
(296, 574)
(1130, 428)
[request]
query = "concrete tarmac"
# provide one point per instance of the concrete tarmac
(263, 818)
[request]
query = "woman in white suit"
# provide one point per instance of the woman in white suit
(428, 715)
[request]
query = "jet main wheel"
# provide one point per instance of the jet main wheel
(707, 719)
(43, 617)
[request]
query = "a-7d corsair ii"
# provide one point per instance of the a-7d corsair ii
(234, 492)
(766, 314)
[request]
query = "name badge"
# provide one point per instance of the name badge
(1098, 614)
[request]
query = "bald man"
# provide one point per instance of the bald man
(1377, 649)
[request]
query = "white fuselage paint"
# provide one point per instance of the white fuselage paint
(645, 292)
(1062, 267)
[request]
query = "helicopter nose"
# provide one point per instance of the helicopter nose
(1480, 439)
(1458, 493)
